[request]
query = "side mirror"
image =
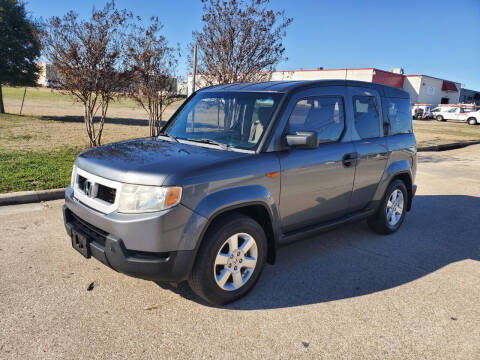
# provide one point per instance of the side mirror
(303, 139)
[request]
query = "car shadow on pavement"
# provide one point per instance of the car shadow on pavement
(353, 261)
(108, 120)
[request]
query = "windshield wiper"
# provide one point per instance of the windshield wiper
(168, 135)
(210, 141)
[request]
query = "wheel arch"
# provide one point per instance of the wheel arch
(254, 201)
(258, 211)
(400, 170)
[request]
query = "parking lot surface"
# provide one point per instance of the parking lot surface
(348, 293)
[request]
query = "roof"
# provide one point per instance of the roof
(449, 86)
(284, 86)
(304, 70)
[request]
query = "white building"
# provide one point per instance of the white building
(422, 88)
(47, 74)
(425, 89)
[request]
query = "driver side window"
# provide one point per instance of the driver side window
(323, 114)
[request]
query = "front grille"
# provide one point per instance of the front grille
(106, 193)
(91, 231)
(81, 182)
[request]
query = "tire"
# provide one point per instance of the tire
(381, 222)
(440, 118)
(208, 275)
(472, 121)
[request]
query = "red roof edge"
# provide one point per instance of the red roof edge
(449, 86)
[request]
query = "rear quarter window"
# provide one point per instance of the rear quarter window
(399, 115)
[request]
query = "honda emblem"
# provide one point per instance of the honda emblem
(88, 188)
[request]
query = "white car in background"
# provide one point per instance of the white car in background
(471, 118)
(455, 113)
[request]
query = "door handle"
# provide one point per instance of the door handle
(350, 159)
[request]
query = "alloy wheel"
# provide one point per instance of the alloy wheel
(394, 208)
(235, 261)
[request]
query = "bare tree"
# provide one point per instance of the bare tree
(241, 40)
(152, 63)
(88, 57)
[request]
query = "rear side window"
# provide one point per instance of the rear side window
(399, 115)
(367, 116)
(323, 114)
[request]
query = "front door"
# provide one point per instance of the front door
(316, 184)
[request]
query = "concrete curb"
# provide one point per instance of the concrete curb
(451, 146)
(24, 197)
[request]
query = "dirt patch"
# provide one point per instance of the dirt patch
(61, 129)
(432, 133)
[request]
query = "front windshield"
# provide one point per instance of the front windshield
(236, 119)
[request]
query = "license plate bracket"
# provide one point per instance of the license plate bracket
(81, 244)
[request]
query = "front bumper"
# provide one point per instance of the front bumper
(174, 229)
(173, 266)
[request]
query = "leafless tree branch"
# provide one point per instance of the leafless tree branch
(88, 57)
(241, 40)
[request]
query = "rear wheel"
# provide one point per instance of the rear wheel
(230, 260)
(391, 212)
(472, 121)
(440, 118)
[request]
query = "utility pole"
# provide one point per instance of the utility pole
(194, 67)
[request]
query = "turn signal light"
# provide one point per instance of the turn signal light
(272, 175)
(173, 196)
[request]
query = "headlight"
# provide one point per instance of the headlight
(72, 179)
(139, 198)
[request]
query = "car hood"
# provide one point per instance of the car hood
(150, 161)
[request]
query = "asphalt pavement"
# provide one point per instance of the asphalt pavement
(348, 293)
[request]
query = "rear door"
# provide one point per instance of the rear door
(316, 184)
(369, 143)
(452, 114)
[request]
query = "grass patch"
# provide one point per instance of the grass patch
(34, 93)
(36, 170)
(46, 95)
(34, 133)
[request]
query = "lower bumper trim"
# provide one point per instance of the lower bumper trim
(173, 266)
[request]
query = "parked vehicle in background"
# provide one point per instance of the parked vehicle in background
(440, 112)
(422, 111)
(471, 118)
(451, 113)
(238, 171)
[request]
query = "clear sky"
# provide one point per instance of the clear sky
(439, 38)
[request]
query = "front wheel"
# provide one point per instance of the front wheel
(472, 121)
(440, 118)
(230, 259)
(391, 212)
